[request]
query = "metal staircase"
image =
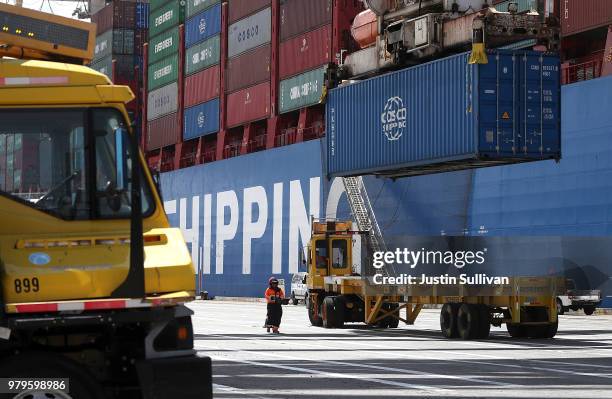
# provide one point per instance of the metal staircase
(362, 210)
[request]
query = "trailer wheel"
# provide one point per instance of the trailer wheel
(560, 308)
(315, 321)
(45, 365)
(389, 321)
(484, 321)
(468, 323)
(588, 309)
(448, 320)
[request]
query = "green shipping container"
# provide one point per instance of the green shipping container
(302, 90)
(203, 55)
(155, 4)
(104, 45)
(163, 72)
(166, 17)
(164, 45)
(195, 6)
(105, 66)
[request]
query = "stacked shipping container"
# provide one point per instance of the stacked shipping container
(305, 49)
(121, 33)
(163, 60)
(586, 30)
(249, 37)
(203, 76)
(253, 71)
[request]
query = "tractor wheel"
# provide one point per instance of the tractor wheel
(468, 321)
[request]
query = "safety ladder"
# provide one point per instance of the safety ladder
(362, 210)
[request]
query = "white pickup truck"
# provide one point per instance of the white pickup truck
(587, 300)
(299, 289)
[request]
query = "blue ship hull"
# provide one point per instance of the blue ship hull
(247, 218)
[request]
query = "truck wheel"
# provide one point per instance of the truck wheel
(294, 300)
(44, 365)
(328, 312)
(588, 309)
(516, 330)
(560, 308)
(484, 319)
(468, 323)
(339, 307)
(315, 321)
(448, 320)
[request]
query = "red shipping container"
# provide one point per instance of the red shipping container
(239, 9)
(202, 86)
(248, 105)
(248, 69)
(163, 132)
(582, 15)
(305, 52)
(299, 16)
(118, 14)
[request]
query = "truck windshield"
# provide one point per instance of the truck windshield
(72, 163)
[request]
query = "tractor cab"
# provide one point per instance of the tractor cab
(331, 252)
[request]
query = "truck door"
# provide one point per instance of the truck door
(341, 256)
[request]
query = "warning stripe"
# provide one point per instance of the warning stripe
(110, 304)
(24, 81)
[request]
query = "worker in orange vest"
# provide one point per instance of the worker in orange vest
(274, 298)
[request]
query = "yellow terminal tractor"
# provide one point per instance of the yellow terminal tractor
(94, 280)
(338, 294)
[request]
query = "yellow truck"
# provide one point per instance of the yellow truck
(338, 294)
(93, 279)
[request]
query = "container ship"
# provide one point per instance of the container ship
(235, 103)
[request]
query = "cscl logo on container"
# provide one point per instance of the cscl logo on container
(201, 119)
(393, 118)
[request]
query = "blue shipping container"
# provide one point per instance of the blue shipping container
(201, 120)
(447, 115)
(203, 26)
(142, 15)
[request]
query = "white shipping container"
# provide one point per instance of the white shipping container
(250, 32)
(162, 101)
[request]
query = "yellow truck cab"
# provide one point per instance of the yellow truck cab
(94, 279)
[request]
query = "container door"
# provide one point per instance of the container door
(540, 105)
(498, 100)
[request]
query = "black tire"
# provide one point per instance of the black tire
(315, 321)
(448, 320)
(389, 321)
(546, 331)
(328, 312)
(294, 300)
(484, 321)
(43, 365)
(516, 330)
(339, 311)
(588, 309)
(560, 308)
(468, 321)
